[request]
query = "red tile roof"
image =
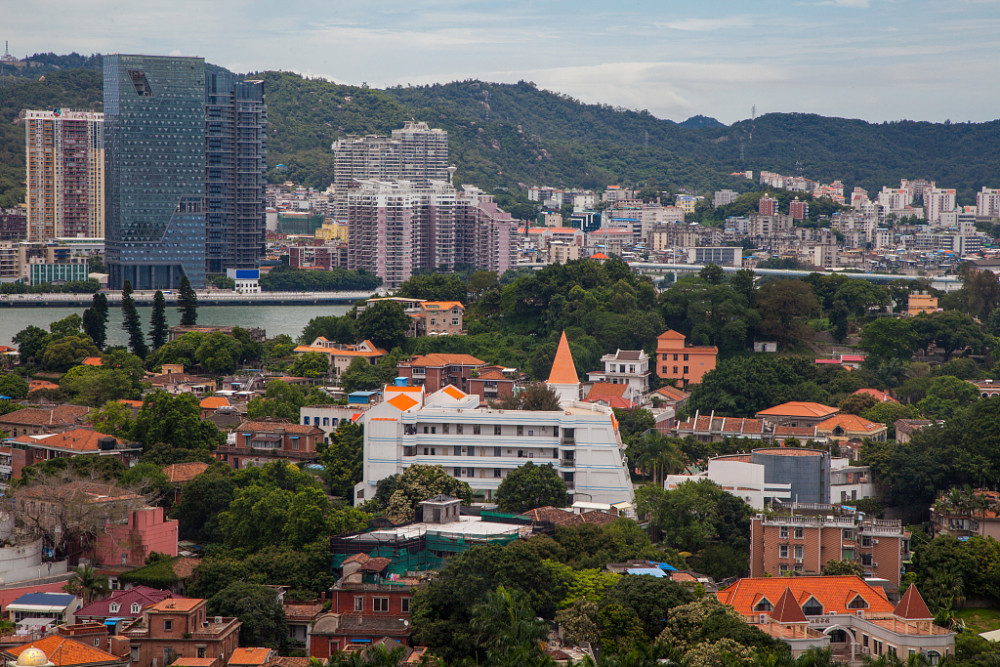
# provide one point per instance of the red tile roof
(735, 425)
(92, 361)
(60, 415)
(184, 472)
(214, 402)
(143, 595)
(835, 593)
(250, 656)
(799, 409)
(788, 610)
(63, 651)
(851, 424)
(285, 427)
(176, 604)
(912, 607)
(877, 393)
(436, 359)
(74, 440)
(672, 393)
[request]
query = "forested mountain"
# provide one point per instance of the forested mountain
(511, 135)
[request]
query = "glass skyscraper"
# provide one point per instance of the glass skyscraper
(154, 170)
(185, 168)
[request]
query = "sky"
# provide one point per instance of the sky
(879, 60)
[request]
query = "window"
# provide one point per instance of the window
(798, 533)
(458, 451)
(798, 551)
(866, 560)
(675, 357)
(457, 472)
(136, 608)
(783, 551)
(168, 655)
(848, 535)
(168, 625)
(326, 421)
(97, 643)
(857, 602)
(201, 651)
(459, 429)
(783, 532)
(520, 430)
(686, 370)
(675, 370)
(305, 420)
(405, 605)
(685, 357)
(763, 605)
(866, 541)
(496, 473)
(114, 607)
(496, 429)
(446, 428)
(496, 451)
(475, 429)
(812, 607)
(359, 603)
(380, 604)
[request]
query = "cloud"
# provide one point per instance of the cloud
(706, 25)
(855, 4)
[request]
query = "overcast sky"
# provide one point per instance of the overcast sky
(872, 59)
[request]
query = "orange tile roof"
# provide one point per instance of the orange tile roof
(250, 656)
(454, 393)
(599, 255)
(850, 424)
(176, 605)
(670, 333)
(214, 402)
(193, 662)
(435, 359)
(288, 427)
(35, 385)
(563, 368)
(912, 607)
(600, 389)
(92, 361)
(441, 305)
(402, 402)
(877, 393)
(63, 651)
(184, 472)
(672, 393)
(76, 440)
(491, 375)
(800, 409)
(835, 593)
(60, 415)
(129, 402)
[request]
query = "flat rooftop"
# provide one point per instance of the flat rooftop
(466, 525)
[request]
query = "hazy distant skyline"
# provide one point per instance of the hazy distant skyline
(872, 59)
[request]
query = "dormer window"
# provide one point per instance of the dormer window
(763, 605)
(114, 607)
(857, 602)
(812, 607)
(136, 608)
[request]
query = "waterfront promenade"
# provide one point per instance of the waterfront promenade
(205, 298)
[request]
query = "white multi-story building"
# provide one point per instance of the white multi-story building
(481, 445)
(629, 367)
(988, 203)
(937, 201)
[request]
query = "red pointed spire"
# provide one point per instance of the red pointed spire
(912, 606)
(788, 610)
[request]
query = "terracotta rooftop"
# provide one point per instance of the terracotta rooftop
(184, 472)
(250, 656)
(143, 595)
(92, 361)
(63, 651)
(912, 607)
(600, 389)
(441, 305)
(74, 440)
(878, 394)
(286, 427)
(788, 610)
(850, 424)
(176, 605)
(35, 385)
(59, 415)
(673, 393)
(214, 402)
(834, 593)
(782, 431)
(735, 425)
(436, 359)
(799, 409)
(563, 368)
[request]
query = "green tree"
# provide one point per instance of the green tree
(507, 629)
(342, 459)
(63, 353)
(944, 567)
(650, 599)
(400, 494)
(783, 306)
(532, 486)
(946, 395)
(434, 287)
(95, 319)
(855, 404)
(187, 303)
(172, 431)
(204, 498)
(259, 610)
(384, 323)
(158, 321)
(579, 622)
(949, 330)
(112, 418)
(31, 343)
(13, 386)
(87, 584)
(310, 365)
(97, 385)
(839, 567)
(130, 322)
(336, 329)
(887, 338)
(71, 325)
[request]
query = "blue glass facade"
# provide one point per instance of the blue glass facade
(155, 170)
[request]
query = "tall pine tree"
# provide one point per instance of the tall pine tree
(95, 320)
(158, 321)
(187, 302)
(130, 322)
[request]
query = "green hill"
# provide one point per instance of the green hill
(512, 135)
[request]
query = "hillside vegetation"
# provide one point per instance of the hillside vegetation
(512, 135)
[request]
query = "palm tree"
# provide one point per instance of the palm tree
(87, 584)
(376, 655)
(508, 630)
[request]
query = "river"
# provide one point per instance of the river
(275, 320)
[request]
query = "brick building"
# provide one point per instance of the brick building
(147, 530)
(71, 646)
(259, 442)
(438, 370)
(32, 421)
(437, 318)
(28, 450)
(803, 544)
(180, 627)
(677, 361)
(127, 604)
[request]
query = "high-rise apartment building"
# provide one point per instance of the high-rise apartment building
(415, 153)
(988, 203)
(767, 206)
(154, 110)
(235, 167)
(423, 153)
(396, 228)
(185, 170)
(65, 174)
(938, 201)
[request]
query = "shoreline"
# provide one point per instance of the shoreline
(205, 298)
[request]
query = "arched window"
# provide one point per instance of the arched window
(136, 608)
(114, 607)
(763, 605)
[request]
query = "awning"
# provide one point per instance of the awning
(36, 622)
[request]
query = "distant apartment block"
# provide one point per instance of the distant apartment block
(767, 206)
(722, 255)
(628, 367)
(65, 173)
(723, 197)
(988, 203)
(798, 209)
